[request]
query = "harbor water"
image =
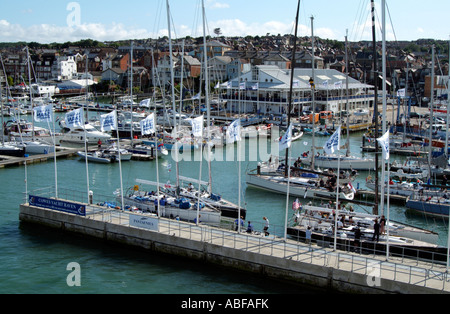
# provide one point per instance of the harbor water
(35, 259)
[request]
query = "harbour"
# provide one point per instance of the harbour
(233, 195)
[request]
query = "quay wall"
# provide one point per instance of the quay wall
(322, 278)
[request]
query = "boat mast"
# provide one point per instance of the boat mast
(171, 68)
(375, 106)
(430, 144)
(347, 107)
(31, 93)
(292, 82)
(313, 88)
(207, 103)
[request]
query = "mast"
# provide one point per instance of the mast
(292, 82)
(313, 143)
(207, 103)
(347, 107)
(375, 106)
(431, 111)
(171, 68)
(31, 92)
(131, 91)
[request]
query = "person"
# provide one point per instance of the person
(195, 219)
(99, 143)
(249, 227)
(266, 226)
(308, 235)
(357, 237)
(382, 224)
(236, 222)
(376, 230)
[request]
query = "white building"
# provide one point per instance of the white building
(265, 89)
(65, 68)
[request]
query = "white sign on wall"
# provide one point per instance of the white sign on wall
(144, 222)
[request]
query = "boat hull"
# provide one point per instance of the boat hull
(279, 185)
(344, 164)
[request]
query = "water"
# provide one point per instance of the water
(35, 259)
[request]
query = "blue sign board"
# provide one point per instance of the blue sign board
(71, 208)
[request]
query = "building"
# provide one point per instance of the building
(265, 89)
(65, 68)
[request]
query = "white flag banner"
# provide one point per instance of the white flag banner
(401, 93)
(384, 142)
(338, 85)
(234, 132)
(145, 103)
(333, 143)
(197, 126)
(148, 125)
(286, 140)
(75, 118)
(242, 86)
(43, 113)
(109, 121)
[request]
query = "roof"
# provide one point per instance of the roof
(272, 77)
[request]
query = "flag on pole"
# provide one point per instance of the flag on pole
(296, 205)
(197, 126)
(234, 132)
(197, 96)
(43, 113)
(333, 143)
(217, 85)
(228, 85)
(109, 121)
(242, 86)
(148, 125)
(286, 140)
(255, 86)
(75, 118)
(401, 93)
(350, 186)
(384, 142)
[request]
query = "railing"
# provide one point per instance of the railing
(373, 264)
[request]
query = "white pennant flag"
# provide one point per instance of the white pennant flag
(384, 142)
(333, 143)
(148, 125)
(75, 118)
(109, 121)
(234, 132)
(43, 113)
(286, 140)
(197, 126)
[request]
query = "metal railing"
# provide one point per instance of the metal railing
(398, 267)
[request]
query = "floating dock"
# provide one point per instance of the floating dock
(312, 265)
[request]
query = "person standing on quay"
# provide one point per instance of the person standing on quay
(376, 230)
(266, 226)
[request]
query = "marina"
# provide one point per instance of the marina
(304, 167)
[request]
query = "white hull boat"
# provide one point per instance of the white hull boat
(299, 187)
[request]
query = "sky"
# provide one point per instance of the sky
(109, 20)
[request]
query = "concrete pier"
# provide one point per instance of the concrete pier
(273, 257)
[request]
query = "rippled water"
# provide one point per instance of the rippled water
(34, 260)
